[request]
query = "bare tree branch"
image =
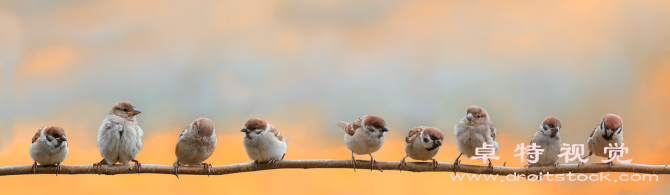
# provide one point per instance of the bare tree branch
(343, 164)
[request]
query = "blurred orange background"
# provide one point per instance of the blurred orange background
(302, 65)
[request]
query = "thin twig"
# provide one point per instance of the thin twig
(342, 164)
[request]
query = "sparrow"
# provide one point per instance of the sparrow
(474, 129)
(548, 137)
(49, 147)
(263, 142)
(364, 136)
(609, 131)
(422, 143)
(196, 143)
(119, 136)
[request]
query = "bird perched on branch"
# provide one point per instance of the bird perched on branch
(474, 129)
(422, 143)
(364, 136)
(548, 137)
(609, 131)
(196, 143)
(263, 142)
(49, 147)
(119, 136)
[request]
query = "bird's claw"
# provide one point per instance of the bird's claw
(372, 162)
(57, 168)
(98, 165)
(35, 168)
(138, 165)
(434, 164)
(490, 167)
(456, 162)
(176, 169)
(273, 162)
(402, 162)
(256, 164)
(208, 168)
(353, 161)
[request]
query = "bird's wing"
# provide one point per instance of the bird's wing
(349, 128)
(138, 135)
(594, 130)
(276, 133)
(180, 148)
(494, 132)
(412, 133)
(183, 131)
(106, 125)
(37, 135)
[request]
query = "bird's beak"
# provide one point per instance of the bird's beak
(134, 112)
(385, 129)
(245, 130)
(608, 132)
(556, 129)
(203, 139)
(62, 138)
(438, 142)
(469, 117)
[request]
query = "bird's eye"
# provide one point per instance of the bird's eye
(425, 140)
(125, 109)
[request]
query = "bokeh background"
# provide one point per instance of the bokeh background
(302, 65)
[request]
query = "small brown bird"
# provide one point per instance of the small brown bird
(548, 137)
(263, 142)
(422, 143)
(609, 131)
(196, 143)
(49, 147)
(364, 136)
(474, 129)
(119, 136)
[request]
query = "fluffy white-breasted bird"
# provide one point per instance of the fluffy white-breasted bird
(196, 143)
(49, 147)
(119, 136)
(422, 143)
(364, 136)
(263, 142)
(548, 137)
(474, 129)
(609, 131)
